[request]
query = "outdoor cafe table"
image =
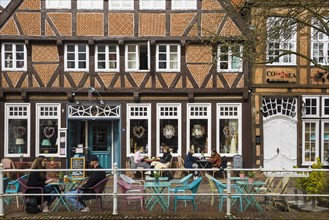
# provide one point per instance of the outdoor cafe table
(158, 196)
(161, 178)
(203, 164)
(251, 188)
(63, 188)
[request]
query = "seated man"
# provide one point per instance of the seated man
(94, 178)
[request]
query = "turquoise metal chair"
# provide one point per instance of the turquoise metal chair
(13, 187)
(235, 190)
(182, 182)
(180, 192)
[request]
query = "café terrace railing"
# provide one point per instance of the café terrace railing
(115, 171)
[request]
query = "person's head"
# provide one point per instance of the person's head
(39, 162)
(141, 149)
(166, 149)
(190, 152)
(213, 151)
(93, 160)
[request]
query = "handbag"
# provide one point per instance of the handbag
(31, 206)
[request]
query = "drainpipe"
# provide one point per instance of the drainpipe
(1, 190)
(228, 187)
(115, 190)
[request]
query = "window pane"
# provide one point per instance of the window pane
(17, 136)
(48, 131)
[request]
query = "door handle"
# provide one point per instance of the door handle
(277, 150)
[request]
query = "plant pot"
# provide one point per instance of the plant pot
(250, 180)
(241, 175)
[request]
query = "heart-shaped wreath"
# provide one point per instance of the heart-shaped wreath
(19, 131)
(138, 131)
(49, 132)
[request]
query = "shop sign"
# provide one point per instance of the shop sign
(282, 76)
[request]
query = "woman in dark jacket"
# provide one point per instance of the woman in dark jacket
(190, 162)
(164, 161)
(38, 179)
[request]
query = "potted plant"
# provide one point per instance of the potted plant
(156, 175)
(241, 174)
(251, 176)
(60, 177)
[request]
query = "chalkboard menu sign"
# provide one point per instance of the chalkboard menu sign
(237, 161)
(78, 163)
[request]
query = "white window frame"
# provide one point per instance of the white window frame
(323, 107)
(76, 59)
(178, 133)
(37, 125)
(184, 5)
(14, 59)
(58, 4)
(18, 116)
(282, 44)
(231, 57)
(137, 57)
(107, 59)
(316, 138)
(119, 5)
(309, 107)
(324, 141)
(152, 4)
(206, 116)
(90, 4)
(169, 57)
(148, 115)
(319, 39)
(218, 130)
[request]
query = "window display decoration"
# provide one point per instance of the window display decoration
(198, 131)
(19, 131)
(138, 131)
(169, 131)
(49, 132)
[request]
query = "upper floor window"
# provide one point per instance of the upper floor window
(320, 43)
(168, 57)
(183, 4)
(310, 106)
(121, 4)
(152, 4)
(281, 40)
(90, 4)
(13, 57)
(107, 58)
(229, 58)
(76, 57)
(17, 132)
(57, 4)
(138, 57)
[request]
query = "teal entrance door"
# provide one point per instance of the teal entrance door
(100, 141)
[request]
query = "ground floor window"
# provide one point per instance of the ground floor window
(229, 128)
(17, 133)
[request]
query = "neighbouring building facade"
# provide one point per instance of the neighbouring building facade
(105, 77)
(290, 96)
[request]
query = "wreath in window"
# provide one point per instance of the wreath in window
(138, 131)
(169, 131)
(198, 131)
(19, 131)
(49, 132)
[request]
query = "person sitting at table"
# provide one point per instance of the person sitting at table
(215, 159)
(164, 161)
(38, 179)
(190, 162)
(94, 178)
(139, 160)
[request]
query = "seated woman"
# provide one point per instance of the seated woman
(190, 162)
(139, 160)
(38, 179)
(164, 160)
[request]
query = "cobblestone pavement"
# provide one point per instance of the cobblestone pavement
(133, 210)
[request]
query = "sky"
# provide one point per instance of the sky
(4, 3)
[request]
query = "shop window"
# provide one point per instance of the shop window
(138, 128)
(13, 56)
(229, 129)
(198, 128)
(107, 58)
(169, 128)
(315, 129)
(17, 131)
(48, 118)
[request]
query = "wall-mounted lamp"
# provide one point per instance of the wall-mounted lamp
(303, 110)
(91, 90)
